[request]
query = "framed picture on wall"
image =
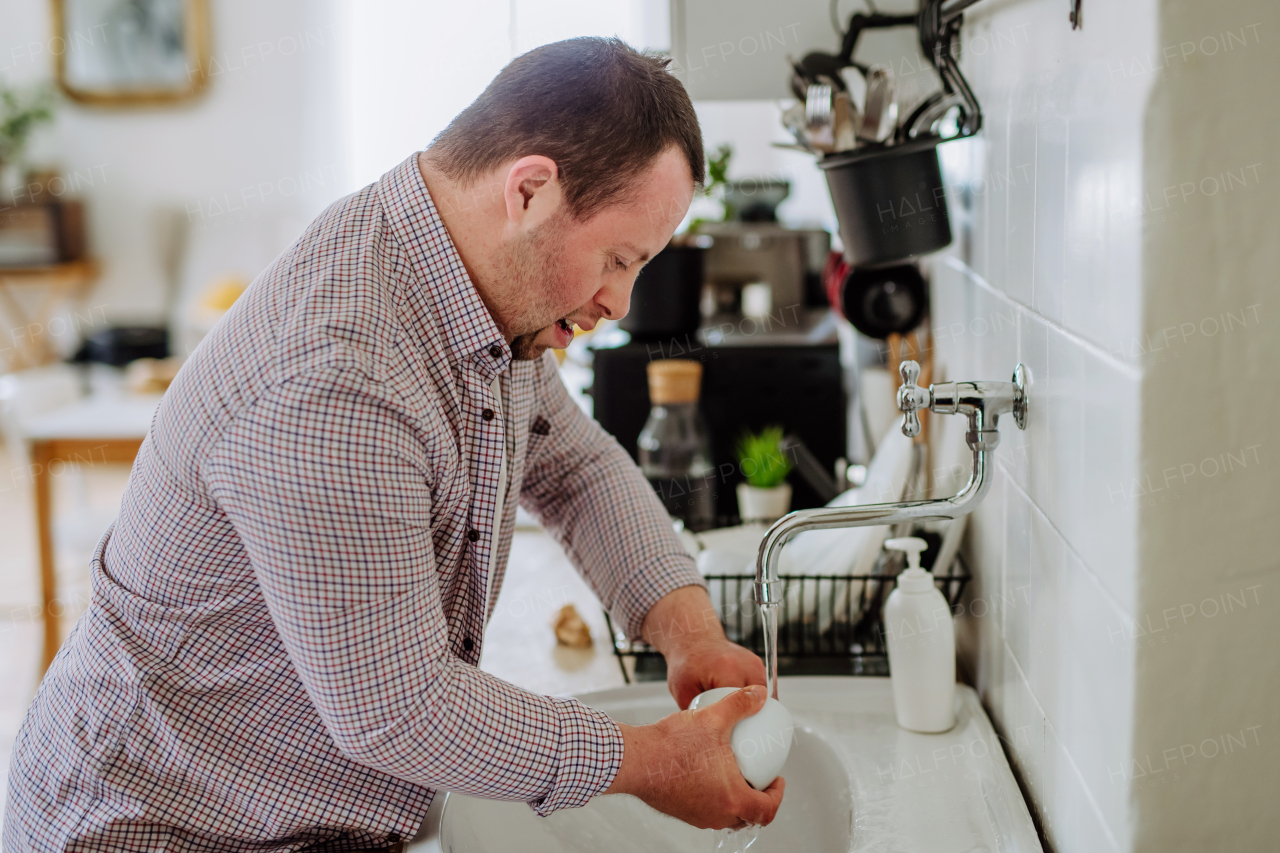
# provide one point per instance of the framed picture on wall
(125, 52)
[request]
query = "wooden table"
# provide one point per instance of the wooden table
(28, 329)
(95, 430)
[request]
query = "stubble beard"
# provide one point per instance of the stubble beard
(532, 272)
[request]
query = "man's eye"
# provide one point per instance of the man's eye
(619, 264)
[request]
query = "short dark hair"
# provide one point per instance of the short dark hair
(600, 109)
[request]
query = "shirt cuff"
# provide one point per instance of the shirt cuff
(590, 757)
(666, 575)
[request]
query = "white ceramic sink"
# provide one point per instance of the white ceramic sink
(855, 782)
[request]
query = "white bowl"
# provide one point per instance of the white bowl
(760, 742)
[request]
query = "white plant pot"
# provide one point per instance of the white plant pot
(755, 504)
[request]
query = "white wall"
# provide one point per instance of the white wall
(1077, 262)
(1208, 674)
(256, 144)
(1052, 279)
(410, 67)
(308, 100)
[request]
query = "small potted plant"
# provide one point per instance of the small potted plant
(765, 496)
(20, 114)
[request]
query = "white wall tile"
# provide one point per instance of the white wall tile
(1022, 725)
(1104, 532)
(1055, 420)
(1069, 815)
(1015, 615)
(1102, 273)
(1049, 646)
(980, 215)
(1093, 714)
(995, 223)
(1050, 209)
(952, 318)
(1020, 232)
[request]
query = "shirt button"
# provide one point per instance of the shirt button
(487, 414)
(473, 535)
(467, 644)
(495, 351)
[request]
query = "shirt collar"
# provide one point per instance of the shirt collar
(443, 286)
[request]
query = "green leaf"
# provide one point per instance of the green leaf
(761, 458)
(20, 114)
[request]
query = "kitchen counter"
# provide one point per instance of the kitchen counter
(519, 645)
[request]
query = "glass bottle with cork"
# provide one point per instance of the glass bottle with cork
(675, 452)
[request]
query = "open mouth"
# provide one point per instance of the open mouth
(565, 325)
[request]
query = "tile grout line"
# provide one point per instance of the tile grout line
(1035, 210)
(1132, 371)
(1084, 786)
(1066, 543)
(1044, 717)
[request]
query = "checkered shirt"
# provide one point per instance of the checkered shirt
(287, 614)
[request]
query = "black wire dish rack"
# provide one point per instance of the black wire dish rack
(827, 624)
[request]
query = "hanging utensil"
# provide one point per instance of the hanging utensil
(793, 119)
(819, 117)
(880, 111)
(845, 122)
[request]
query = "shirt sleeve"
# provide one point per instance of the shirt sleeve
(586, 490)
(329, 487)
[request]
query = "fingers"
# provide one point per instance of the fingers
(743, 703)
(752, 668)
(685, 692)
(762, 806)
(738, 667)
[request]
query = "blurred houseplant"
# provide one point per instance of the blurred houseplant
(765, 496)
(21, 112)
(717, 180)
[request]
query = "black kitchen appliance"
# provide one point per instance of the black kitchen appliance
(665, 298)
(880, 301)
(119, 345)
(751, 379)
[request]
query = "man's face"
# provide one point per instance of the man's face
(563, 273)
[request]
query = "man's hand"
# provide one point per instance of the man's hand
(686, 629)
(683, 765)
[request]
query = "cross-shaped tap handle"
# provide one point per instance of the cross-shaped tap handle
(912, 398)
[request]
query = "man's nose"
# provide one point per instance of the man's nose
(614, 299)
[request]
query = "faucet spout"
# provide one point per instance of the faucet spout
(981, 402)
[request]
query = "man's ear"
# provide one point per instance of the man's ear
(532, 190)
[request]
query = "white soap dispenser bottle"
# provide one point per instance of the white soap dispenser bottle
(922, 646)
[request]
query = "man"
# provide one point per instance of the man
(287, 615)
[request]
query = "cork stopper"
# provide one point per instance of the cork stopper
(673, 380)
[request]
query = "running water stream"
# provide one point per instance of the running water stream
(735, 840)
(769, 618)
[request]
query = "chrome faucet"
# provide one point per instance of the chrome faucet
(981, 402)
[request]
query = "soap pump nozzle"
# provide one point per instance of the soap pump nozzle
(914, 578)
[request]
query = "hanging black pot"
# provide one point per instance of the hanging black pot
(890, 199)
(890, 202)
